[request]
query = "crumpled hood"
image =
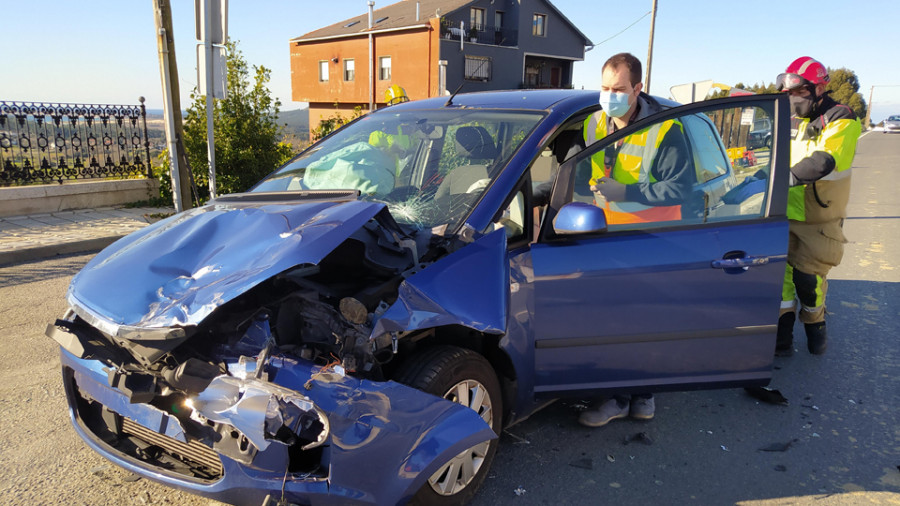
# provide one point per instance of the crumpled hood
(175, 272)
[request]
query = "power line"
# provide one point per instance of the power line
(624, 29)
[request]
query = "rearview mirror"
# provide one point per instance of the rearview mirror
(426, 131)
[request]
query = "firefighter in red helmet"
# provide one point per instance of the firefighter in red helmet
(824, 135)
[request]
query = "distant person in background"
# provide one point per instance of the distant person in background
(398, 143)
(824, 135)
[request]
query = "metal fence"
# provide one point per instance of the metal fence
(44, 142)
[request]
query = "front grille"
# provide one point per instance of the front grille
(128, 438)
(193, 452)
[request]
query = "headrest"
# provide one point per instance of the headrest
(475, 142)
(567, 144)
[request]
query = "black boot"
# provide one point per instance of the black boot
(784, 340)
(816, 338)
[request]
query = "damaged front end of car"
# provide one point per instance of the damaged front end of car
(243, 350)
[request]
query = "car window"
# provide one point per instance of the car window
(680, 171)
(513, 219)
(710, 160)
(429, 166)
(762, 124)
(565, 143)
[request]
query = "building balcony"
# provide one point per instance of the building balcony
(481, 34)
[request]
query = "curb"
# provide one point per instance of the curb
(43, 252)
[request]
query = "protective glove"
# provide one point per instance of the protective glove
(611, 189)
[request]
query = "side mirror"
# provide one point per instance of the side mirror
(577, 218)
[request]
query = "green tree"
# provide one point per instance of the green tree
(335, 121)
(248, 139)
(844, 87)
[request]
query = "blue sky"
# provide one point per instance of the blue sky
(104, 51)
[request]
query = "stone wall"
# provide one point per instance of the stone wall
(40, 199)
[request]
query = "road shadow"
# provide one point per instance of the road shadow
(43, 269)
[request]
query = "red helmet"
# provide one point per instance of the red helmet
(800, 72)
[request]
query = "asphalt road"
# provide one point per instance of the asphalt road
(840, 433)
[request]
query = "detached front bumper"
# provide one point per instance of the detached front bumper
(384, 439)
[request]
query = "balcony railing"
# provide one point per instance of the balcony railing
(481, 34)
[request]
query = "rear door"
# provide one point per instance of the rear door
(674, 304)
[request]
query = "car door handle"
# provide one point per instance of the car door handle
(746, 262)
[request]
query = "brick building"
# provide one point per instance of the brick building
(429, 46)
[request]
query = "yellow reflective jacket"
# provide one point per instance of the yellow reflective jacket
(397, 145)
(626, 165)
(822, 151)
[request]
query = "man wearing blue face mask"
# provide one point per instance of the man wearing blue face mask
(643, 178)
(647, 175)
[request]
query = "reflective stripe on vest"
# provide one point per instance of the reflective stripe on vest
(594, 128)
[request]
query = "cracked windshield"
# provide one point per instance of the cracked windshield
(429, 167)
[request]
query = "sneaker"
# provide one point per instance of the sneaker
(642, 408)
(784, 341)
(816, 338)
(607, 412)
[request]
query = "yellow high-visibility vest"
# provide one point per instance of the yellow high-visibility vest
(838, 138)
(391, 143)
(626, 165)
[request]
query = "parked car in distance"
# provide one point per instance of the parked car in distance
(362, 324)
(761, 134)
(891, 124)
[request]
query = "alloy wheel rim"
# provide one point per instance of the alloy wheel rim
(456, 474)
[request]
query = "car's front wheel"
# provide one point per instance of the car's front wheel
(467, 378)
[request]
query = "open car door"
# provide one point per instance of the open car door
(660, 305)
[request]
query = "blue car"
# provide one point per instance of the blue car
(362, 324)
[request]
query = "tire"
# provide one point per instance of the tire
(455, 373)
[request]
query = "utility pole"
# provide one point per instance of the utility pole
(650, 48)
(871, 92)
(181, 179)
(371, 4)
(869, 108)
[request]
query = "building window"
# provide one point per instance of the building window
(384, 68)
(478, 68)
(476, 19)
(349, 69)
(323, 71)
(539, 25)
(498, 20)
